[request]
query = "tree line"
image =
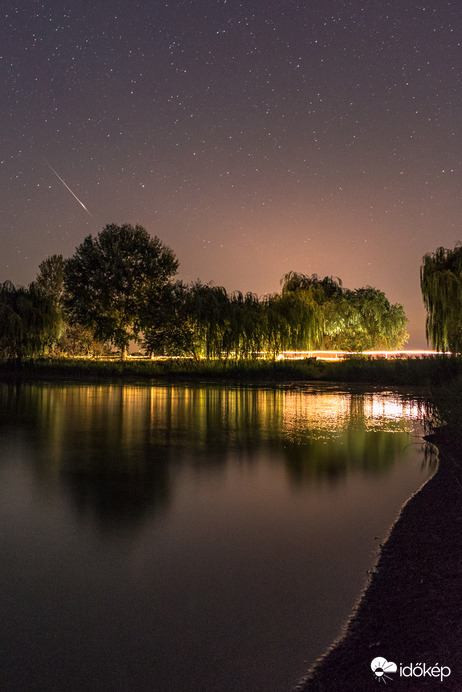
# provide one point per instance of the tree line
(120, 287)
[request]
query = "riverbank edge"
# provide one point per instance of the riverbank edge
(393, 372)
(410, 611)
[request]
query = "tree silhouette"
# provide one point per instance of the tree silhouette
(110, 278)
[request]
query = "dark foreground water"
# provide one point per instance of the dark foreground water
(187, 538)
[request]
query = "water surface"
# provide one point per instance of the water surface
(188, 538)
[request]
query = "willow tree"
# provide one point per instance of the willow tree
(344, 319)
(310, 300)
(208, 310)
(441, 285)
(243, 332)
(322, 289)
(28, 321)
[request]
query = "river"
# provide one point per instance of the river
(187, 538)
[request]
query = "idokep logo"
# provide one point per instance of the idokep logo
(382, 669)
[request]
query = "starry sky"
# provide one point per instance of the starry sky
(253, 137)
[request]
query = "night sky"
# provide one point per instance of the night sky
(253, 138)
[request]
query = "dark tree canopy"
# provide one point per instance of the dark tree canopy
(441, 285)
(110, 278)
(309, 314)
(118, 287)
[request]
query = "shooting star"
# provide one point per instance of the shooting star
(67, 186)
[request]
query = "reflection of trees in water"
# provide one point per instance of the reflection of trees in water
(371, 452)
(119, 499)
(114, 446)
(87, 441)
(330, 434)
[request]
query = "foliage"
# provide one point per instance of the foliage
(225, 325)
(321, 289)
(363, 319)
(293, 322)
(110, 278)
(207, 309)
(441, 285)
(28, 321)
(245, 325)
(218, 325)
(50, 284)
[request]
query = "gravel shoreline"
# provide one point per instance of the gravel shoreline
(411, 610)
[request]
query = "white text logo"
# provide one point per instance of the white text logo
(383, 669)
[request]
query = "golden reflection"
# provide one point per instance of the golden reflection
(333, 412)
(129, 428)
(115, 447)
(129, 410)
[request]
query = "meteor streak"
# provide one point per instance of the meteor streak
(67, 186)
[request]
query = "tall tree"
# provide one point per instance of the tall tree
(441, 285)
(110, 278)
(50, 279)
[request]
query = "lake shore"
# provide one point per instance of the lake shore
(411, 610)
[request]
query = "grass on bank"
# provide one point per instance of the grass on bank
(433, 371)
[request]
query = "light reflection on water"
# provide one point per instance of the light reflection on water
(201, 538)
(336, 411)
